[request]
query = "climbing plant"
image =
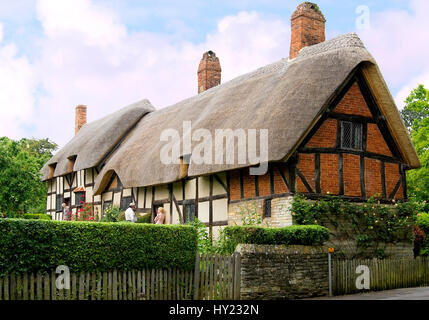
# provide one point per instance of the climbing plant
(369, 225)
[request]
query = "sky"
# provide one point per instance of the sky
(107, 54)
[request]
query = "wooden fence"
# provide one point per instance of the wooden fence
(217, 277)
(384, 274)
(214, 277)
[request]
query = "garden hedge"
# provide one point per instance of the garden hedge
(309, 235)
(41, 216)
(40, 245)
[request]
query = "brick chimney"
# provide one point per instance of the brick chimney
(308, 27)
(209, 72)
(80, 119)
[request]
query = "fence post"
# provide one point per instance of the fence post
(237, 275)
(197, 276)
(330, 273)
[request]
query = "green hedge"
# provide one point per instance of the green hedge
(39, 245)
(294, 235)
(40, 216)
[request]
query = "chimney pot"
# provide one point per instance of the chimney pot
(80, 119)
(308, 27)
(209, 72)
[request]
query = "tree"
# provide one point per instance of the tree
(416, 118)
(20, 163)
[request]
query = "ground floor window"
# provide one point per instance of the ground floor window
(79, 198)
(189, 210)
(59, 202)
(125, 202)
(267, 208)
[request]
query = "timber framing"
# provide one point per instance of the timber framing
(377, 118)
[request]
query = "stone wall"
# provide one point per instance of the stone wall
(280, 212)
(283, 272)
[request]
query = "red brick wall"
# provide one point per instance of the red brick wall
(306, 164)
(234, 184)
(248, 185)
(329, 173)
(392, 177)
(279, 185)
(376, 142)
(373, 178)
(325, 136)
(351, 175)
(353, 103)
(264, 185)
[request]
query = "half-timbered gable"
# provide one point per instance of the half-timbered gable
(348, 151)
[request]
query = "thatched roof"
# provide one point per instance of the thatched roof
(96, 139)
(286, 97)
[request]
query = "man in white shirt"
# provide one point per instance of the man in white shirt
(129, 213)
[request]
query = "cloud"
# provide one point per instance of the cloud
(18, 85)
(398, 41)
(89, 57)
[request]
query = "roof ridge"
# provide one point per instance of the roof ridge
(347, 40)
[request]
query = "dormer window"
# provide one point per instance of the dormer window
(351, 135)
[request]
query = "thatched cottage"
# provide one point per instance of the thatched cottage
(333, 127)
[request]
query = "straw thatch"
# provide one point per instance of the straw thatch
(287, 97)
(95, 140)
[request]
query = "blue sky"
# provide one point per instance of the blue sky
(55, 54)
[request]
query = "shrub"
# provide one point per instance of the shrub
(40, 216)
(121, 217)
(144, 219)
(293, 235)
(423, 224)
(204, 244)
(111, 214)
(40, 245)
(85, 213)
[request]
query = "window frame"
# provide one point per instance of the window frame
(194, 213)
(129, 199)
(79, 194)
(58, 204)
(267, 209)
(354, 128)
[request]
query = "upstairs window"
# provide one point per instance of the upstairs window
(351, 135)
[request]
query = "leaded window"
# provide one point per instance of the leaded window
(351, 135)
(189, 209)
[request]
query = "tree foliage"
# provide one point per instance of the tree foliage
(20, 163)
(416, 118)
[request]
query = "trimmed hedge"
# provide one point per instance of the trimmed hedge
(39, 245)
(40, 216)
(310, 235)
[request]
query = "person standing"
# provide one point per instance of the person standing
(130, 213)
(160, 217)
(66, 212)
